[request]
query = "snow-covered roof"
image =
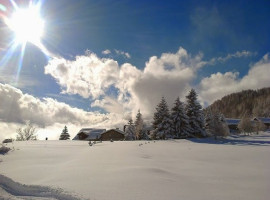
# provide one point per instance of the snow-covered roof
(231, 121)
(117, 130)
(265, 120)
(91, 133)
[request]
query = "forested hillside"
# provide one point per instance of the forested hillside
(250, 102)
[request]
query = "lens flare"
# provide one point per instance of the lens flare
(3, 8)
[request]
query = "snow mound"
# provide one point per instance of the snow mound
(13, 190)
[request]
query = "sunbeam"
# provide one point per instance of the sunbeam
(20, 61)
(11, 49)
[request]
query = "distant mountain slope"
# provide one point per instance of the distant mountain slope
(250, 102)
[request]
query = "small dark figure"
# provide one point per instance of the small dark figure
(90, 144)
(46, 138)
(111, 140)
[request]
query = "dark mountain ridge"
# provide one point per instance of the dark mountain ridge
(254, 103)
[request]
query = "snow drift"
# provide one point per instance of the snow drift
(13, 190)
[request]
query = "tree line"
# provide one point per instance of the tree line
(254, 103)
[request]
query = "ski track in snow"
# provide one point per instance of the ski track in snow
(11, 190)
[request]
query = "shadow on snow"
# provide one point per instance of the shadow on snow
(235, 140)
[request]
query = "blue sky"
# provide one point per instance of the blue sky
(216, 47)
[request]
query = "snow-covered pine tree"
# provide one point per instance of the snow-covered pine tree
(130, 130)
(162, 121)
(195, 115)
(64, 135)
(179, 119)
(139, 126)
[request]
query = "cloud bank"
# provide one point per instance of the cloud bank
(217, 85)
(170, 75)
(17, 107)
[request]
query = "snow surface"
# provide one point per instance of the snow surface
(235, 168)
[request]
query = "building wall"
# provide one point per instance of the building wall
(112, 134)
(233, 128)
(82, 136)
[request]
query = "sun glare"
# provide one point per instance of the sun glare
(27, 25)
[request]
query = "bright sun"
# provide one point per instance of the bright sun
(27, 25)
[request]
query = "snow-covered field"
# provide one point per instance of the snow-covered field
(236, 168)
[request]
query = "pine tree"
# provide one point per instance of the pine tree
(180, 123)
(130, 130)
(195, 115)
(64, 135)
(162, 122)
(139, 126)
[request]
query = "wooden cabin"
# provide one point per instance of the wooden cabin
(233, 125)
(89, 134)
(112, 134)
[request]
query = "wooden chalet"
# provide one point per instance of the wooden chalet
(89, 134)
(233, 124)
(264, 120)
(112, 134)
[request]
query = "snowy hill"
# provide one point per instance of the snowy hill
(236, 168)
(247, 102)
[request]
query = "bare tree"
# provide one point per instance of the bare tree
(259, 126)
(245, 125)
(26, 133)
(216, 125)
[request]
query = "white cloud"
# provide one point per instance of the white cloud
(90, 76)
(217, 85)
(110, 104)
(7, 130)
(237, 54)
(125, 54)
(106, 52)
(170, 76)
(17, 107)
